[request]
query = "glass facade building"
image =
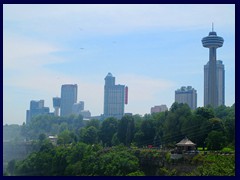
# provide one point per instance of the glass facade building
(68, 98)
(78, 107)
(114, 98)
(36, 108)
(220, 83)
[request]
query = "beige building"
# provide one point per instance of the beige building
(160, 108)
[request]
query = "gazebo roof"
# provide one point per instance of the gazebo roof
(185, 142)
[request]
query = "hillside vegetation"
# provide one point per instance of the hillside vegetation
(112, 147)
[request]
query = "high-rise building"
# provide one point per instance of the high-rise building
(211, 97)
(86, 114)
(115, 96)
(187, 95)
(220, 83)
(68, 98)
(36, 108)
(78, 107)
(160, 108)
(56, 105)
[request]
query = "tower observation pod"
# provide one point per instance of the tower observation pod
(212, 41)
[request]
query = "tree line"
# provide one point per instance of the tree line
(102, 147)
(205, 126)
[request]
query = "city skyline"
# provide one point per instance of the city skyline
(153, 49)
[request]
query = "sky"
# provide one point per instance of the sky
(154, 49)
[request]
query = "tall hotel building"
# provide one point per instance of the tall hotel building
(213, 75)
(115, 96)
(220, 83)
(187, 95)
(36, 108)
(68, 98)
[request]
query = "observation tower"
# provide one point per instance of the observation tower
(212, 41)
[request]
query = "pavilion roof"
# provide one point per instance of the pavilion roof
(186, 142)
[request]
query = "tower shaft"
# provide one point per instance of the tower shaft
(212, 78)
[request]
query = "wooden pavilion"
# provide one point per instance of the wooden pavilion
(185, 145)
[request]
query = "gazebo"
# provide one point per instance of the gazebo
(186, 145)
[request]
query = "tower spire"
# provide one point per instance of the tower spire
(212, 27)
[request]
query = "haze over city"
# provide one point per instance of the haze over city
(153, 49)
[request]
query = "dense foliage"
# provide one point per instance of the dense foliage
(207, 127)
(79, 159)
(51, 125)
(215, 165)
(88, 147)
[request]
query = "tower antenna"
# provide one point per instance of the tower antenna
(212, 27)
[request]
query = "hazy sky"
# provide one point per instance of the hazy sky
(153, 49)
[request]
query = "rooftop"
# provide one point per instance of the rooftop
(185, 142)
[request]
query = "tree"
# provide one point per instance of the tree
(130, 132)
(77, 153)
(118, 161)
(11, 167)
(216, 124)
(215, 140)
(42, 137)
(115, 141)
(201, 126)
(148, 131)
(138, 136)
(77, 122)
(93, 122)
(205, 112)
(107, 130)
(36, 164)
(136, 173)
(173, 129)
(45, 145)
(65, 138)
(125, 131)
(63, 127)
(59, 161)
(90, 135)
(229, 124)
(157, 140)
(221, 111)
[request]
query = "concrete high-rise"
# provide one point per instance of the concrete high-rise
(220, 83)
(212, 41)
(187, 95)
(68, 98)
(56, 105)
(78, 107)
(115, 96)
(36, 108)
